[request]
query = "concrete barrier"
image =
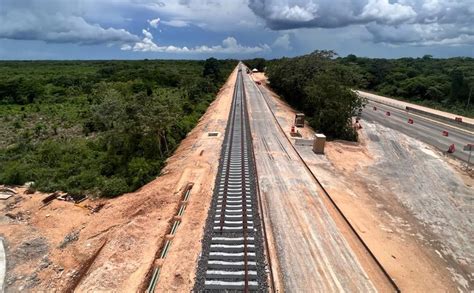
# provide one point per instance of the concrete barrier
(401, 106)
(384, 102)
(454, 122)
(304, 142)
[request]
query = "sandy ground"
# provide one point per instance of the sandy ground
(411, 205)
(179, 269)
(316, 253)
(62, 246)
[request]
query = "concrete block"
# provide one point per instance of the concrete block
(319, 142)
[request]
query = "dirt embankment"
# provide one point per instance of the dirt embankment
(63, 246)
(410, 204)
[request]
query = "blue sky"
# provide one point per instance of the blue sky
(197, 29)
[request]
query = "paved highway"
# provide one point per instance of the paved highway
(424, 129)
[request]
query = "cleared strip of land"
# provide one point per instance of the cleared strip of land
(402, 197)
(313, 252)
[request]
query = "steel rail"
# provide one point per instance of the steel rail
(228, 153)
(233, 257)
(261, 209)
(244, 191)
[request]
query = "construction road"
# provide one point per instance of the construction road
(313, 254)
(427, 130)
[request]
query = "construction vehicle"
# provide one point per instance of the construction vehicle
(299, 120)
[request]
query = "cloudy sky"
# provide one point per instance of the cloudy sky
(196, 29)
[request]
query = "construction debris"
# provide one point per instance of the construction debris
(6, 193)
(71, 237)
(47, 200)
(76, 198)
(95, 209)
(30, 187)
(5, 196)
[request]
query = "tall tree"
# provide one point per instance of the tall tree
(459, 86)
(211, 69)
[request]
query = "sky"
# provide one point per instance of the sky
(199, 29)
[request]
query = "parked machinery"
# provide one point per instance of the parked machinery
(299, 120)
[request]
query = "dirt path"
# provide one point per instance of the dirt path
(315, 254)
(179, 269)
(406, 201)
(61, 246)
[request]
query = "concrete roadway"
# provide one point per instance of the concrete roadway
(313, 254)
(424, 129)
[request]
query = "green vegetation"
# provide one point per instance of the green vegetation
(319, 87)
(259, 63)
(445, 84)
(107, 127)
(319, 84)
(99, 127)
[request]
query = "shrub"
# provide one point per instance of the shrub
(132, 113)
(140, 172)
(113, 187)
(14, 173)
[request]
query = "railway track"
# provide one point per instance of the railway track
(233, 255)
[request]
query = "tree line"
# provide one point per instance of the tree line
(446, 84)
(319, 87)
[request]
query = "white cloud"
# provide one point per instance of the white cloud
(287, 14)
(211, 15)
(296, 12)
(154, 22)
(384, 12)
(396, 22)
(55, 23)
(423, 34)
(228, 46)
(282, 42)
(147, 34)
(176, 23)
(416, 22)
(126, 47)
